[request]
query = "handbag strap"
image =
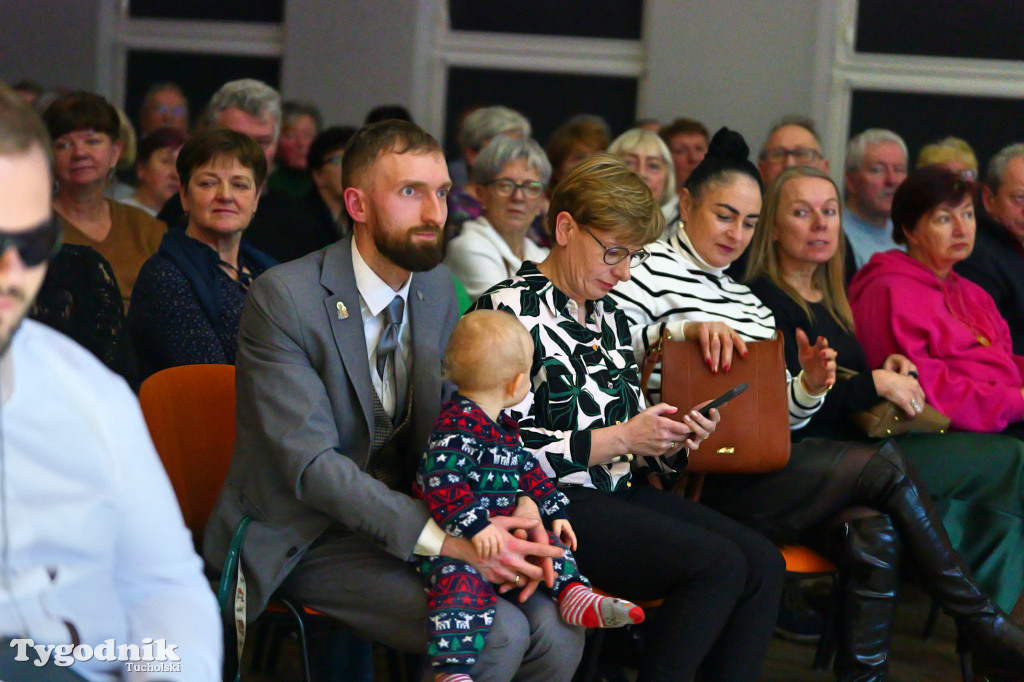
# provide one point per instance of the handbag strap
(651, 361)
(233, 569)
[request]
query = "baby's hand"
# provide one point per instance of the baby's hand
(489, 542)
(563, 529)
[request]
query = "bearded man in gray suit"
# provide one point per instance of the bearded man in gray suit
(338, 386)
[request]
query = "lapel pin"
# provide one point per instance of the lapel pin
(419, 294)
(342, 311)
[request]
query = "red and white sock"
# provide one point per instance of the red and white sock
(579, 605)
(452, 677)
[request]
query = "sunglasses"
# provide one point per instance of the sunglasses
(34, 246)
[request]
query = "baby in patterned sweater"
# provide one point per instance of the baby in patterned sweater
(476, 467)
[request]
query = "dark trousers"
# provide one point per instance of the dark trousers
(720, 582)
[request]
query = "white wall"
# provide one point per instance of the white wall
(50, 41)
(347, 57)
(737, 63)
(741, 63)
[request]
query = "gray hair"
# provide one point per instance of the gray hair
(797, 120)
(486, 122)
(858, 145)
(639, 139)
(997, 166)
(502, 151)
(254, 97)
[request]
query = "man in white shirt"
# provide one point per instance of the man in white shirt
(876, 164)
(94, 555)
(339, 385)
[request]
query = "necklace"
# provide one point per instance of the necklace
(242, 276)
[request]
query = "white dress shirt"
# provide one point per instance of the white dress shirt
(96, 545)
(374, 296)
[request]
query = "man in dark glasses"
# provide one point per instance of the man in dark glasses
(95, 560)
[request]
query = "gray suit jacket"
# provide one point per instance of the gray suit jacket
(304, 417)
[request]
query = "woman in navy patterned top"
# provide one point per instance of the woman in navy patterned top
(188, 298)
(720, 581)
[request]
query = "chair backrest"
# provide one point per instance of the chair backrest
(190, 412)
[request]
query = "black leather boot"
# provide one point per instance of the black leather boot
(891, 485)
(868, 578)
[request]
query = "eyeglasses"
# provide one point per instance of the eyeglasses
(504, 187)
(34, 246)
(802, 155)
(613, 255)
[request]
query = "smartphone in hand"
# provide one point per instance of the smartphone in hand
(724, 398)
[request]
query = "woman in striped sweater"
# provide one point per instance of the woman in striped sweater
(856, 502)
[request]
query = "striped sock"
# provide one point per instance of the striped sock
(579, 605)
(452, 677)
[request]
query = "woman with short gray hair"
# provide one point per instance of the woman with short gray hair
(509, 177)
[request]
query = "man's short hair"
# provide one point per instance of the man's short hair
(502, 151)
(254, 97)
(331, 140)
(683, 126)
(21, 128)
(602, 193)
(858, 145)
(158, 88)
(373, 140)
(804, 122)
(997, 166)
(80, 110)
(487, 347)
(487, 122)
(293, 109)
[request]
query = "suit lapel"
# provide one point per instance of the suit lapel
(426, 323)
(346, 319)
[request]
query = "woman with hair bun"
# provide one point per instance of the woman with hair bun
(858, 503)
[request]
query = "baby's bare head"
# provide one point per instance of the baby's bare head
(487, 349)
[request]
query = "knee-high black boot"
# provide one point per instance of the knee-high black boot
(890, 484)
(868, 578)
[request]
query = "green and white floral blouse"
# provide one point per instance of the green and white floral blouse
(584, 377)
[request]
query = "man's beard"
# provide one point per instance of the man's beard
(401, 250)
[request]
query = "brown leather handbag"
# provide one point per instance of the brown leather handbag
(753, 435)
(885, 418)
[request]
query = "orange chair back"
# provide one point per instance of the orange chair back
(190, 412)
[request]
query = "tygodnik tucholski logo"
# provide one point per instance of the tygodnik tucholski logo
(153, 656)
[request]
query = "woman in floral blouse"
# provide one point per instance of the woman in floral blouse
(720, 581)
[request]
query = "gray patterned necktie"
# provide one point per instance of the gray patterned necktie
(389, 337)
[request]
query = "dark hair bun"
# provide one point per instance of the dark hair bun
(728, 145)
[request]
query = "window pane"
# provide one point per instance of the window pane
(546, 99)
(586, 18)
(987, 123)
(942, 28)
(267, 11)
(199, 75)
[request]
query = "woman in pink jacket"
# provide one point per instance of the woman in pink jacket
(913, 303)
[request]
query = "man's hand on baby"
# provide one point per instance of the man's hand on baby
(489, 542)
(563, 529)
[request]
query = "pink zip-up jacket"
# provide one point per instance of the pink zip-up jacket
(900, 306)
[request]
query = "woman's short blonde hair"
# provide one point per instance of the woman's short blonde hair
(948, 150)
(642, 141)
(603, 194)
(487, 348)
